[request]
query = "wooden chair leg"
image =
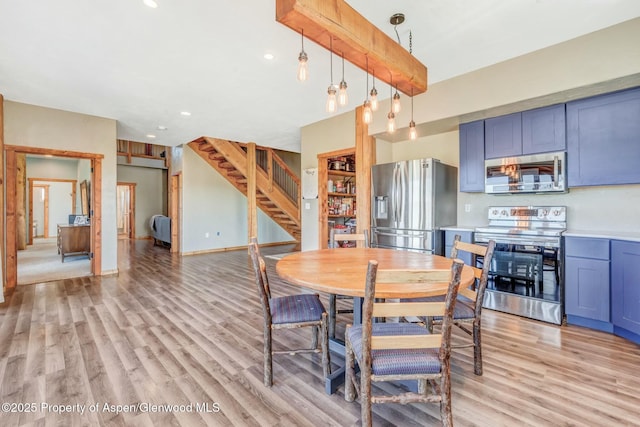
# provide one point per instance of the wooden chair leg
(477, 349)
(332, 316)
(350, 373)
(324, 343)
(268, 358)
(365, 398)
(445, 404)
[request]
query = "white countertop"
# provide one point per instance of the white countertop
(599, 234)
(460, 228)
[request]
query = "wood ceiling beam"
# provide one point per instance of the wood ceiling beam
(356, 38)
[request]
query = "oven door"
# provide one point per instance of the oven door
(526, 280)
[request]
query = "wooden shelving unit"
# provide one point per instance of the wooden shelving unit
(340, 204)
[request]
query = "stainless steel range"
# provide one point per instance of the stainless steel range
(527, 273)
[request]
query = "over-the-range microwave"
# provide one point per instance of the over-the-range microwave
(537, 173)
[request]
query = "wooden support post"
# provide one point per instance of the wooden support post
(11, 268)
(365, 158)
(2, 187)
(96, 216)
(252, 211)
(21, 203)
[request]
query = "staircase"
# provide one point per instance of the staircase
(277, 187)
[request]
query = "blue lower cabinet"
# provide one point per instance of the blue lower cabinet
(587, 291)
(587, 286)
(625, 289)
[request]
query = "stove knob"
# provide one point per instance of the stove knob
(543, 213)
(494, 212)
(556, 212)
(503, 213)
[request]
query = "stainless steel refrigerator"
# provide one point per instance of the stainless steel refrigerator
(411, 200)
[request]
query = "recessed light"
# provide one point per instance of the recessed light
(150, 136)
(269, 56)
(185, 113)
(160, 127)
(151, 3)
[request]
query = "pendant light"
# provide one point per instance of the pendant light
(332, 104)
(413, 134)
(367, 114)
(303, 71)
(391, 117)
(396, 101)
(343, 99)
(374, 93)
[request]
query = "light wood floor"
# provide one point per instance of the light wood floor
(180, 331)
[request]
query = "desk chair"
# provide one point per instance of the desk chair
(360, 239)
(402, 351)
(287, 312)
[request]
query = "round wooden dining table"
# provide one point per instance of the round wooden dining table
(343, 271)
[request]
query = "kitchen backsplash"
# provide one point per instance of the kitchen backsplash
(606, 208)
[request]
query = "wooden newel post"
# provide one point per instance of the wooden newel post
(252, 210)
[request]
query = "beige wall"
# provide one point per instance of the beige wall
(329, 135)
(596, 63)
(33, 126)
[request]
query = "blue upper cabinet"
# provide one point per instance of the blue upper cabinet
(625, 287)
(472, 157)
(544, 130)
(603, 139)
(503, 136)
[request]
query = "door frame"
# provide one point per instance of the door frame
(132, 207)
(11, 152)
(175, 210)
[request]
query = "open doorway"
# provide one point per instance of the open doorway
(88, 168)
(57, 247)
(125, 210)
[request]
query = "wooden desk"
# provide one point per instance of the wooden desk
(74, 240)
(343, 272)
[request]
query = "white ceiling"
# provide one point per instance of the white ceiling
(123, 60)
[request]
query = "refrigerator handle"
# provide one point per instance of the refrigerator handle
(396, 200)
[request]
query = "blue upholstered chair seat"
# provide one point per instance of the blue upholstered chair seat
(396, 362)
(296, 308)
(462, 310)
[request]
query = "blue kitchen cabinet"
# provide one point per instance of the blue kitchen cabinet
(603, 139)
(503, 136)
(625, 289)
(544, 130)
(465, 236)
(472, 157)
(587, 286)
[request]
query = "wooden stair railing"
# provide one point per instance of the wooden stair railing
(277, 187)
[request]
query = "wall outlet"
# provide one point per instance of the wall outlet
(307, 205)
(206, 235)
(467, 207)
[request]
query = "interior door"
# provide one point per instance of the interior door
(124, 211)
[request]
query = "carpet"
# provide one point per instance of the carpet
(41, 262)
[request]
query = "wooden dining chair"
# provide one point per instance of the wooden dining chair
(402, 351)
(468, 313)
(288, 312)
(360, 239)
